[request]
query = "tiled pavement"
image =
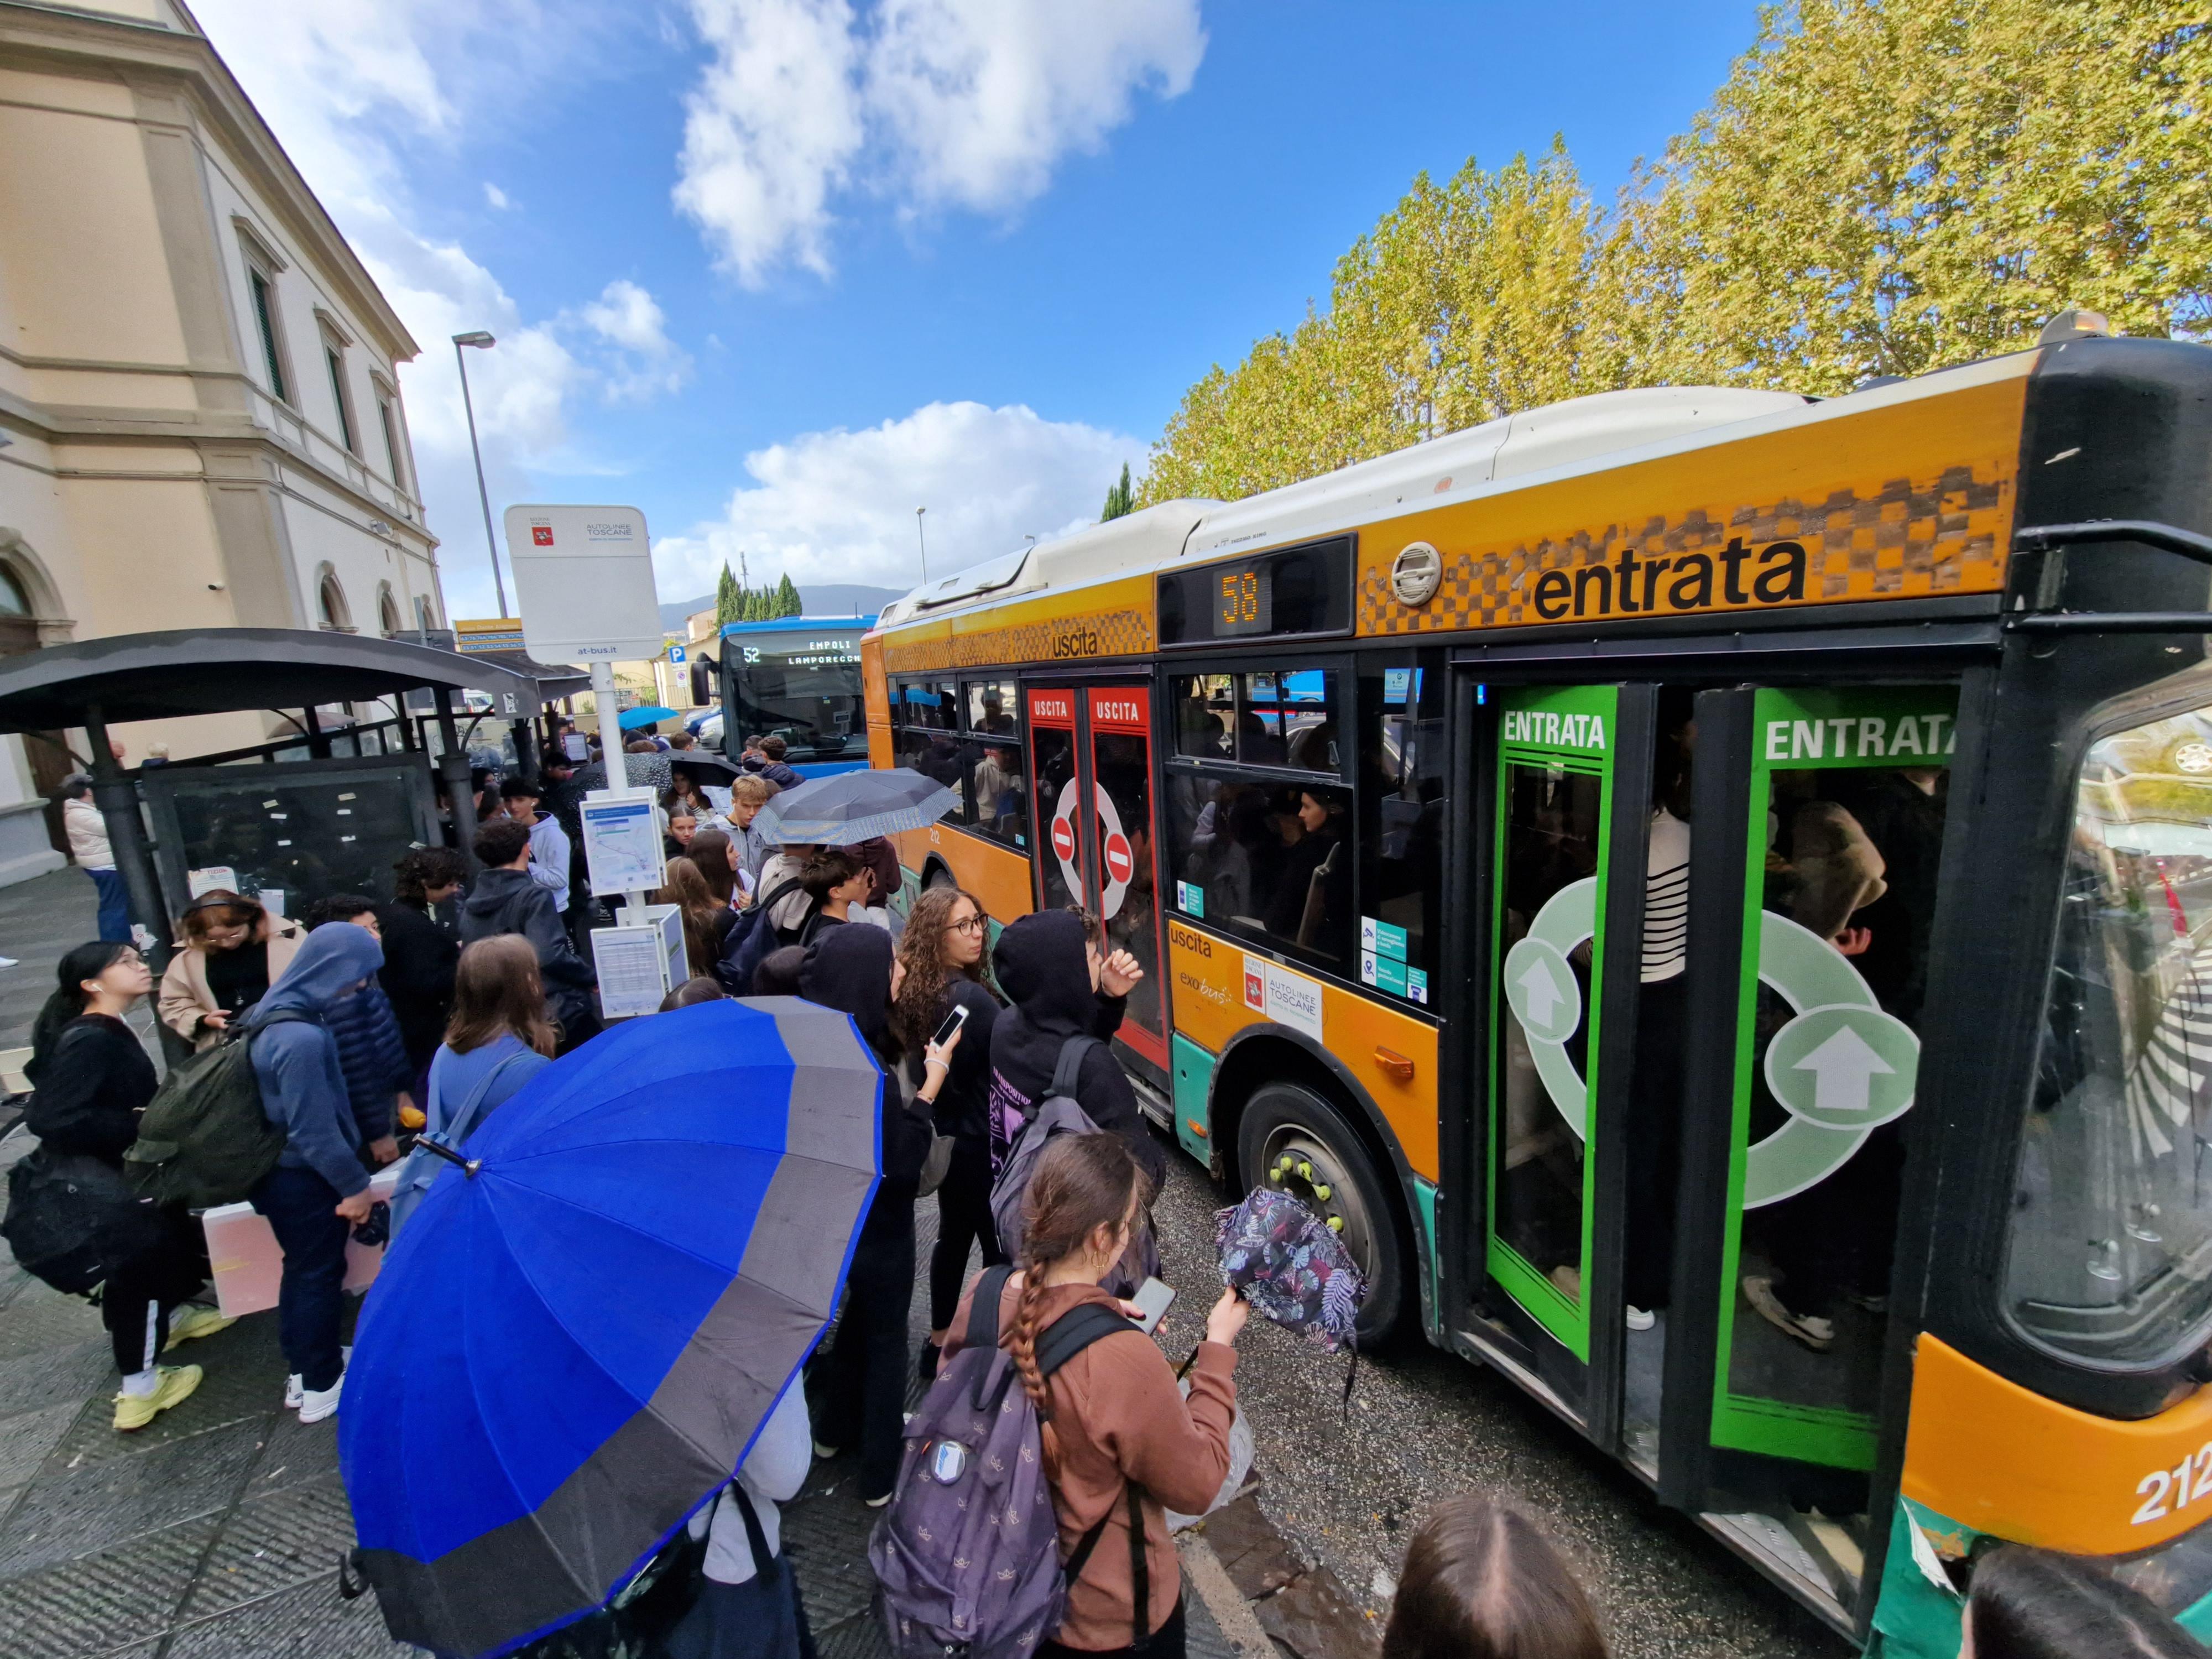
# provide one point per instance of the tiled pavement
(216, 1532)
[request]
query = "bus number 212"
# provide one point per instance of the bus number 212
(2187, 1482)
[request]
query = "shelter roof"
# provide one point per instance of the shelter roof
(217, 670)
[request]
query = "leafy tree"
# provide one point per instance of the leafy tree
(1879, 186)
(787, 602)
(1120, 498)
(728, 604)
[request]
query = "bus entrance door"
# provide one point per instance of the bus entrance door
(1090, 754)
(1555, 748)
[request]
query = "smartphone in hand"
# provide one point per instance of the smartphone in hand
(953, 1022)
(1154, 1297)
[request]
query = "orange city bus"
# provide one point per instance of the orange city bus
(1709, 893)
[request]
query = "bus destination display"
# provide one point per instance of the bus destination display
(1300, 589)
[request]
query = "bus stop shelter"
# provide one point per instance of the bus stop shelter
(97, 684)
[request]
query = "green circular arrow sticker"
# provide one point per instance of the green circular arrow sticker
(1541, 990)
(1839, 1068)
(1844, 1067)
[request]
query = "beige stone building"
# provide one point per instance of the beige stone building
(200, 419)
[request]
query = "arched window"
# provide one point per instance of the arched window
(13, 600)
(338, 616)
(387, 611)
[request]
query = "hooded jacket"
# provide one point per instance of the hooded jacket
(295, 1061)
(849, 969)
(1041, 966)
(508, 902)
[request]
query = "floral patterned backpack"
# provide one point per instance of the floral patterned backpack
(1283, 1260)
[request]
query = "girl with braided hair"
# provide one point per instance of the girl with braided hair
(1113, 1421)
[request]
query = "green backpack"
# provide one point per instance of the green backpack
(205, 1139)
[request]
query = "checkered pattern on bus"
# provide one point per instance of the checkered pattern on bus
(1107, 634)
(1906, 540)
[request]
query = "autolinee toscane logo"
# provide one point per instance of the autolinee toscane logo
(1637, 585)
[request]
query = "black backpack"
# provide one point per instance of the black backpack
(205, 1139)
(752, 937)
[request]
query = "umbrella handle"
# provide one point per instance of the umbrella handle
(470, 1165)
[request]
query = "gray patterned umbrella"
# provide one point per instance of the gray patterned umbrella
(851, 807)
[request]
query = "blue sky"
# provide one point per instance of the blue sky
(778, 271)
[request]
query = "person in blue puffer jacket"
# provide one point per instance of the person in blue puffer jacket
(372, 1049)
(318, 1191)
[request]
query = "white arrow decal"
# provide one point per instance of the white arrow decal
(1843, 1069)
(1541, 993)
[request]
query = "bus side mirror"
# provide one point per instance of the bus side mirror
(703, 680)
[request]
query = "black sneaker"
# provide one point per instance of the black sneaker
(926, 1367)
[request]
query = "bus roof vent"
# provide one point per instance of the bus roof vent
(1557, 435)
(984, 578)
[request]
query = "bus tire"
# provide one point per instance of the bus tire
(1286, 1120)
(939, 876)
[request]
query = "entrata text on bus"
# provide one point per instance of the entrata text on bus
(1710, 892)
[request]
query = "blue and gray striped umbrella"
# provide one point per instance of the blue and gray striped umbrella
(853, 807)
(575, 1338)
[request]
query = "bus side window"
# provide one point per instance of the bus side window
(1401, 759)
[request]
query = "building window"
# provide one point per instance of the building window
(387, 416)
(334, 357)
(338, 616)
(264, 319)
(13, 600)
(425, 618)
(387, 613)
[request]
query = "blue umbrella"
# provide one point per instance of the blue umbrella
(851, 807)
(576, 1336)
(652, 714)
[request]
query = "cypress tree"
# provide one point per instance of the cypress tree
(787, 602)
(1120, 498)
(726, 603)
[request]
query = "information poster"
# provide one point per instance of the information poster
(621, 844)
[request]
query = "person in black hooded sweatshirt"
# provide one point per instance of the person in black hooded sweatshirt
(860, 1389)
(1062, 983)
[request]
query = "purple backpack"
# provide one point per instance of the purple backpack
(967, 1558)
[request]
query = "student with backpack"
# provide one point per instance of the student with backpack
(1064, 985)
(860, 1389)
(1117, 1443)
(92, 1080)
(501, 1037)
(372, 1049)
(318, 1191)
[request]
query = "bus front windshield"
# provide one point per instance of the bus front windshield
(802, 687)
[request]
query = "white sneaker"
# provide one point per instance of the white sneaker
(316, 1404)
(295, 1388)
(1641, 1319)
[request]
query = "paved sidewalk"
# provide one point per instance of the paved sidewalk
(216, 1533)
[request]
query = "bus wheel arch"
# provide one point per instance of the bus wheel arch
(1274, 1095)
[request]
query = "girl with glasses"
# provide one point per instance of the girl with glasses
(942, 952)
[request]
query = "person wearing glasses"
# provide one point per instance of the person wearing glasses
(941, 954)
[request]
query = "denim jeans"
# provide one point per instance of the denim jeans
(114, 905)
(302, 1211)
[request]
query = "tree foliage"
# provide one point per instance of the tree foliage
(735, 602)
(1121, 497)
(1880, 187)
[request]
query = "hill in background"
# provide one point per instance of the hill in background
(829, 600)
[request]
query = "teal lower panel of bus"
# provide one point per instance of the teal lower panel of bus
(1193, 1087)
(1424, 1212)
(1918, 1613)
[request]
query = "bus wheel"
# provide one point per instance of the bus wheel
(1291, 1140)
(940, 877)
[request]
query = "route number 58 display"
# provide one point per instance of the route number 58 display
(2171, 1490)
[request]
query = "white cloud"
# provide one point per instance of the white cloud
(349, 87)
(495, 196)
(934, 103)
(838, 506)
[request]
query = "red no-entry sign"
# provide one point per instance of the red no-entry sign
(1063, 839)
(1118, 865)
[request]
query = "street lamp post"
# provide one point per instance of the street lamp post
(481, 342)
(924, 540)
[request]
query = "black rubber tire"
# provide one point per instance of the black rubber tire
(939, 876)
(1284, 1115)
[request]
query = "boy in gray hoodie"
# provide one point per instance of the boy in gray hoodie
(318, 1191)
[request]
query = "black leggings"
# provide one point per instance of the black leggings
(861, 1392)
(963, 1217)
(136, 1303)
(1165, 1642)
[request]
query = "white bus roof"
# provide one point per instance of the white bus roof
(1580, 434)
